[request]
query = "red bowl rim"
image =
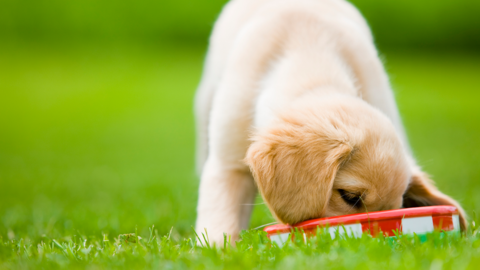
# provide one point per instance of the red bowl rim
(440, 210)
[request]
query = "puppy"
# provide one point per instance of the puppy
(294, 101)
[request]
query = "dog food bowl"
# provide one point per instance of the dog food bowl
(418, 220)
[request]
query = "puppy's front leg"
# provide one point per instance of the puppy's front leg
(227, 189)
(375, 87)
(225, 200)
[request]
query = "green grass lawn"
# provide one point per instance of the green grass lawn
(96, 142)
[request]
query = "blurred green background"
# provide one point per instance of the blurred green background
(96, 126)
(428, 23)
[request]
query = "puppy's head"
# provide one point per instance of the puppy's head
(335, 158)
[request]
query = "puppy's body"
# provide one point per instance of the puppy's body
(304, 76)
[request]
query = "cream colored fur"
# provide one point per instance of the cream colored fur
(293, 91)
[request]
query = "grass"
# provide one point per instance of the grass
(97, 142)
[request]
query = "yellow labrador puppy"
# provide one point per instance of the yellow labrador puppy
(294, 101)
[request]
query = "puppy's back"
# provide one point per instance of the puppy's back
(237, 14)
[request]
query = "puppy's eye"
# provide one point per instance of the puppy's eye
(353, 199)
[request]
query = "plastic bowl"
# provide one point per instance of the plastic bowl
(418, 220)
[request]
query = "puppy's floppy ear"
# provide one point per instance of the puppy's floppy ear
(422, 192)
(295, 172)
